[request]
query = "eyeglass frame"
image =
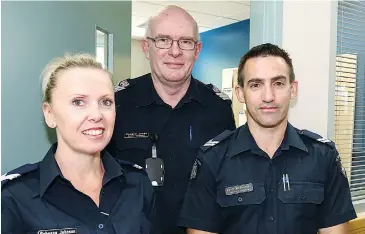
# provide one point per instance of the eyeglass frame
(178, 44)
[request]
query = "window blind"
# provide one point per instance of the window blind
(349, 126)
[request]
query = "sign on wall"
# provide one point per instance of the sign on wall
(229, 82)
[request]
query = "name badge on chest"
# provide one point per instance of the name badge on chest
(58, 231)
(243, 188)
(155, 166)
(136, 135)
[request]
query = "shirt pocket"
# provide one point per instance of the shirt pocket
(302, 193)
(301, 201)
(134, 224)
(246, 198)
(135, 150)
(244, 207)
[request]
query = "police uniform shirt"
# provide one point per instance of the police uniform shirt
(203, 113)
(36, 198)
(236, 188)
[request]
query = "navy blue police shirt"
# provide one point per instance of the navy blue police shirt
(203, 113)
(36, 198)
(236, 188)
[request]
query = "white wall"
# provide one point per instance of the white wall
(309, 29)
(139, 64)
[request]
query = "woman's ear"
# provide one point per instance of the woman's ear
(48, 115)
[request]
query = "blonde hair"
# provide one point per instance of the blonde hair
(59, 64)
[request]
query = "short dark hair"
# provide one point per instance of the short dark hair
(265, 50)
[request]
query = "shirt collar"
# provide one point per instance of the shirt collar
(49, 169)
(193, 92)
(148, 95)
(111, 166)
(247, 142)
(294, 139)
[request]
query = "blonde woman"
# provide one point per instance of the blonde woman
(77, 187)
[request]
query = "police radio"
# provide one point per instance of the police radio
(155, 166)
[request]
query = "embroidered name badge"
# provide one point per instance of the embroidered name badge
(136, 135)
(58, 231)
(244, 188)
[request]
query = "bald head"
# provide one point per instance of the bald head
(172, 46)
(174, 15)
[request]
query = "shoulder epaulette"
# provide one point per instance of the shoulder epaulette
(317, 137)
(126, 163)
(123, 84)
(219, 93)
(16, 173)
(216, 140)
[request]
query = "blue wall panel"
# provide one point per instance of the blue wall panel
(222, 48)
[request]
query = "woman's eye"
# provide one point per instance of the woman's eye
(78, 102)
(107, 102)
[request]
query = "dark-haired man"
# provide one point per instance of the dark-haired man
(267, 176)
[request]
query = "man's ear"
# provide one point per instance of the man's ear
(294, 89)
(198, 48)
(239, 93)
(145, 48)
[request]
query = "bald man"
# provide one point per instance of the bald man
(165, 116)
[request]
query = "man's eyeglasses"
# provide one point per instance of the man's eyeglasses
(166, 43)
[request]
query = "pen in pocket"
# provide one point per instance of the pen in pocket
(286, 183)
(191, 132)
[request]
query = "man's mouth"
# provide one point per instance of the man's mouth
(174, 65)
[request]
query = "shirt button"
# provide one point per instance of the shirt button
(101, 226)
(271, 218)
(271, 190)
(302, 197)
(239, 199)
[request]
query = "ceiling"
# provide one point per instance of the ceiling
(208, 14)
